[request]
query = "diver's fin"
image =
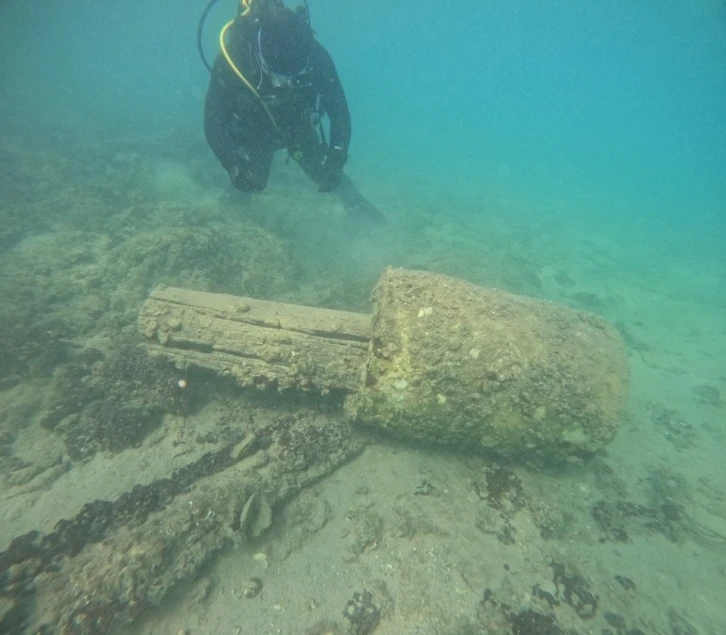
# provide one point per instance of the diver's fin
(359, 208)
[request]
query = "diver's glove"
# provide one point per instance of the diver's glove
(333, 169)
(244, 179)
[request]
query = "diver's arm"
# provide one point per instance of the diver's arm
(219, 111)
(333, 97)
(336, 106)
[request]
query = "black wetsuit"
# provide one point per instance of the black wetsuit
(239, 130)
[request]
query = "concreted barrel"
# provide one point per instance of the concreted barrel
(455, 363)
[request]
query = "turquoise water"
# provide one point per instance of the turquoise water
(618, 106)
(573, 152)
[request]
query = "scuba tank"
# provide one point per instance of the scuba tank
(246, 6)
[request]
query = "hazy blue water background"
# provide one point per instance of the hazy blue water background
(614, 111)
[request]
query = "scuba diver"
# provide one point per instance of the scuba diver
(270, 87)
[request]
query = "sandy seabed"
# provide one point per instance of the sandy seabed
(133, 503)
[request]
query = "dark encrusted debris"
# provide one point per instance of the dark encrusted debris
(110, 404)
(33, 553)
(608, 481)
(679, 625)
(109, 425)
(616, 518)
(424, 488)
(302, 440)
(615, 620)
(709, 396)
(626, 583)
(362, 613)
(507, 532)
(541, 617)
(31, 350)
(674, 427)
(621, 628)
(254, 588)
(532, 623)
(501, 488)
(540, 593)
(574, 590)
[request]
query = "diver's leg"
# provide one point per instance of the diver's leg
(357, 206)
(238, 132)
(307, 149)
(310, 152)
(250, 166)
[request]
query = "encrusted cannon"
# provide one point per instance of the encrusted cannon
(439, 360)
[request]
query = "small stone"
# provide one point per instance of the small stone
(261, 556)
(253, 588)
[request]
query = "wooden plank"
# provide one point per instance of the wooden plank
(257, 342)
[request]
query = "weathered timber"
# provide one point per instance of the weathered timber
(257, 342)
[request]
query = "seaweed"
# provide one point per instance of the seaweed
(530, 622)
(362, 613)
(501, 488)
(574, 590)
(110, 403)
